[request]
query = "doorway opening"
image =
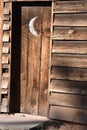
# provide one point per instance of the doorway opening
(31, 23)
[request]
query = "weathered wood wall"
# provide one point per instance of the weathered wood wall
(1, 23)
(68, 88)
(5, 54)
(68, 76)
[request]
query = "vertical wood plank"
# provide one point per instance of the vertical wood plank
(24, 47)
(1, 33)
(43, 97)
(33, 62)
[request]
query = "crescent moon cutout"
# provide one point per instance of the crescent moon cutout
(31, 26)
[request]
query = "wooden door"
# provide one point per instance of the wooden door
(35, 46)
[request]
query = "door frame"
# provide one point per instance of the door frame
(9, 14)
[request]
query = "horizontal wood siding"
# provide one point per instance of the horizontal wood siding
(67, 86)
(70, 33)
(68, 76)
(72, 60)
(70, 19)
(75, 74)
(68, 100)
(70, 6)
(69, 47)
(68, 114)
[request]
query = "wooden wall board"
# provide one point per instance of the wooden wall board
(70, 33)
(6, 18)
(6, 11)
(75, 74)
(79, 19)
(1, 35)
(24, 46)
(68, 100)
(6, 37)
(6, 27)
(24, 0)
(69, 60)
(68, 114)
(34, 54)
(45, 54)
(72, 87)
(69, 47)
(71, 6)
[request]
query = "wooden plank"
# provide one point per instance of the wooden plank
(5, 49)
(6, 18)
(5, 71)
(6, 11)
(6, 27)
(74, 47)
(69, 60)
(70, 20)
(75, 74)
(6, 37)
(34, 45)
(68, 100)
(70, 6)
(1, 34)
(4, 108)
(68, 114)
(4, 83)
(26, 0)
(71, 87)
(24, 46)
(70, 33)
(44, 79)
(4, 101)
(4, 91)
(5, 59)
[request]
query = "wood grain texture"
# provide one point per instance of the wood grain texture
(34, 53)
(75, 74)
(68, 100)
(68, 60)
(6, 37)
(1, 34)
(68, 82)
(71, 87)
(45, 51)
(70, 33)
(70, 19)
(70, 6)
(6, 27)
(69, 47)
(68, 114)
(24, 63)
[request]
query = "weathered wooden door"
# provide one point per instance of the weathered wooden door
(35, 46)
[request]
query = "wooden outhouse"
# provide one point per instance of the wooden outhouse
(43, 58)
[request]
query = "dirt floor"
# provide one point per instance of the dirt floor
(60, 125)
(30, 122)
